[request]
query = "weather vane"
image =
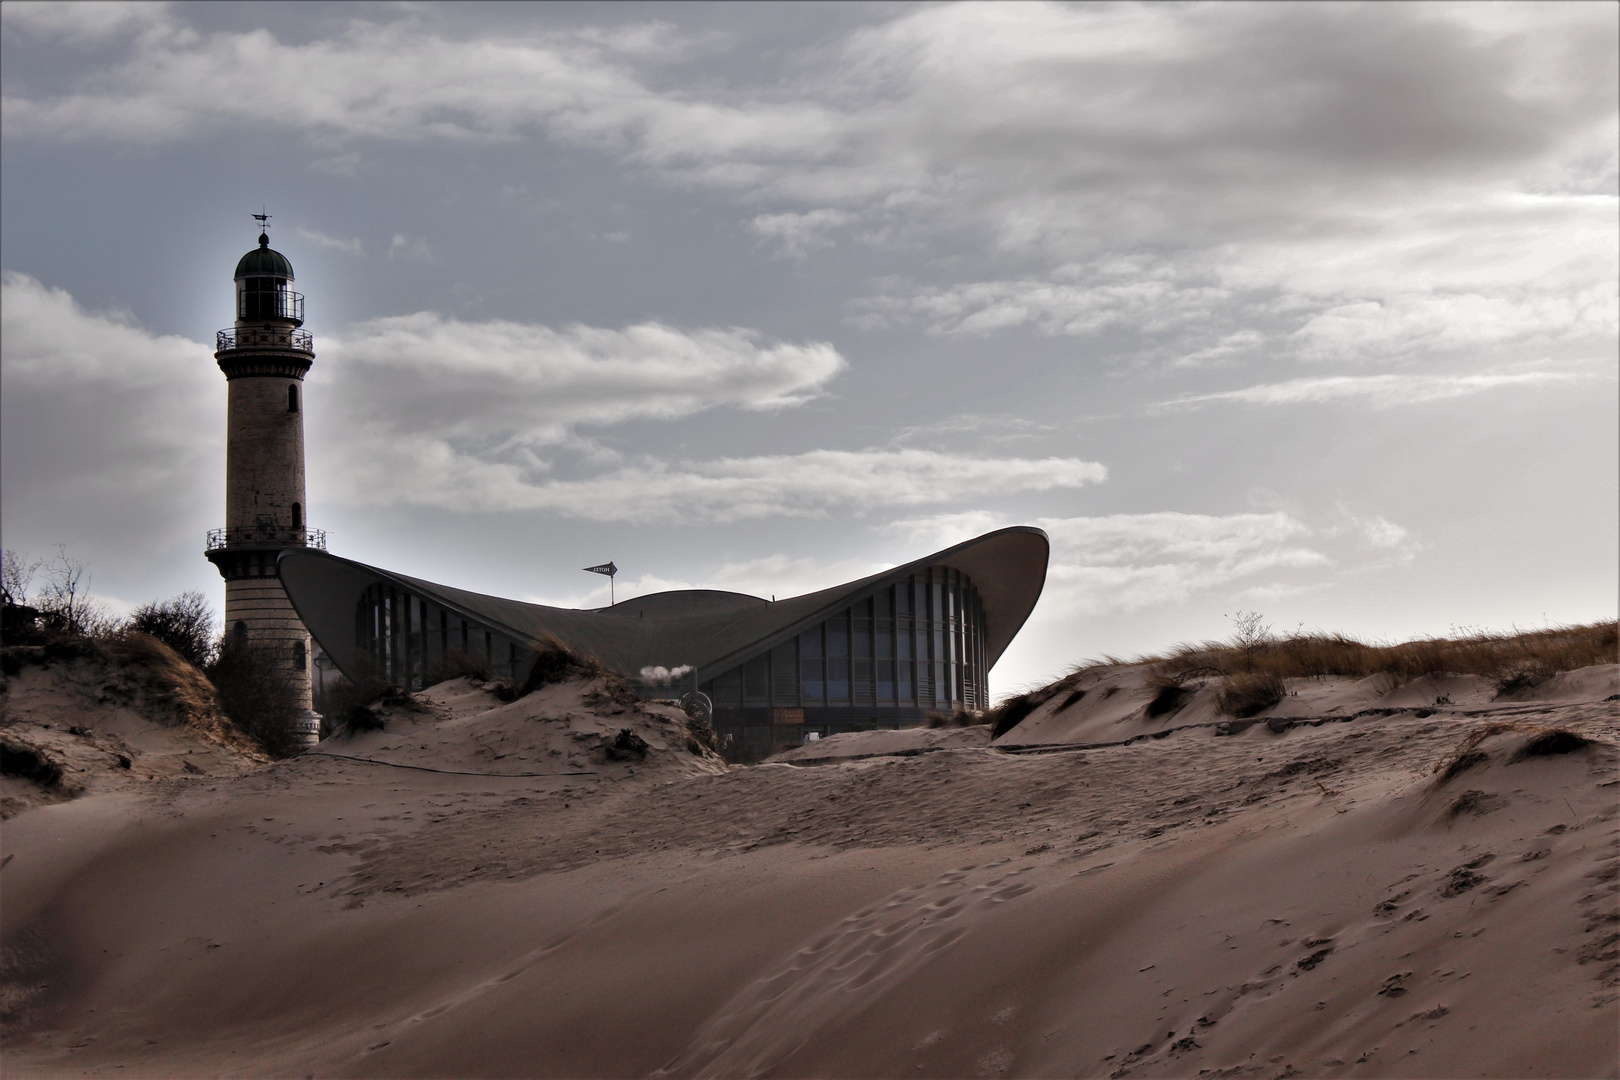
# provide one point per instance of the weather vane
(263, 220)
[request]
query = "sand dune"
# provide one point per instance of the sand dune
(1309, 900)
(1110, 703)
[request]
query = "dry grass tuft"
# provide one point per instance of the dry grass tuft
(1250, 692)
(1550, 742)
(174, 685)
(552, 660)
(1171, 690)
(1543, 742)
(1010, 713)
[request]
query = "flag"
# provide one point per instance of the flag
(606, 568)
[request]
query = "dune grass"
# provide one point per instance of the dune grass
(1512, 661)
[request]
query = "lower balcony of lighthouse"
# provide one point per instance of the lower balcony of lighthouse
(239, 338)
(251, 551)
(279, 351)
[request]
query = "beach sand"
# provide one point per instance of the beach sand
(1302, 895)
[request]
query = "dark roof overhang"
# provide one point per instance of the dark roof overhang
(709, 630)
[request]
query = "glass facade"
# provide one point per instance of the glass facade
(903, 650)
(405, 637)
(908, 648)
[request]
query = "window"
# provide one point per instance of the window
(298, 516)
(298, 654)
(728, 690)
(757, 681)
(785, 673)
(815, 689)
(292, 398)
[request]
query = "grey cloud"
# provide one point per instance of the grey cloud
(1048, 122)
(413, 471)
(85, 22)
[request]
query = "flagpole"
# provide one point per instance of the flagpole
(612, 572)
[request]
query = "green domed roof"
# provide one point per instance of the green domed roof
(263, 262)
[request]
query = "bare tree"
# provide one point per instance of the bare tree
(1250, 633)
(65, 602)
(17, 572)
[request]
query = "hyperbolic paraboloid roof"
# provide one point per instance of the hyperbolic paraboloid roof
(710, 630)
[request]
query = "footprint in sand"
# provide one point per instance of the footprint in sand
(906, 929)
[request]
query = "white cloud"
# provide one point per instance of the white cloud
(816, 483)
(525, 384)
(937, 531)
(799, 234)
(430, 411)
(410, 248)
(1074, 300)
(110, 432)
(427, 411)
(779, 576)
(351, 246)
(1121, 562)
(1126, 562)
(1515, 273)
(1381, 534)
(1386, 391)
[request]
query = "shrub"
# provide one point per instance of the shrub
(701, 736)
(259, 692)
(627, 746)
(960, 718)
(459, 664)
(368, 713)
(1248, 693)
(1522, 676)
(184, 623)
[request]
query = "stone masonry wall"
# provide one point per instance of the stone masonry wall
(262, 604)
(264, 453)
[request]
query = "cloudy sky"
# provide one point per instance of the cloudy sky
(1303, 309)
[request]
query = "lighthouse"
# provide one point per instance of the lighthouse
(264, 357)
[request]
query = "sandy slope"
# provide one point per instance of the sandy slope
(99, 724)
(1313, 900)
(1109, 703)
(861, 744)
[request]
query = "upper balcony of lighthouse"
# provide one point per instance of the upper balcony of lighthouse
(269, 315)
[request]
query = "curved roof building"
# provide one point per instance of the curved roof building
(879, 652)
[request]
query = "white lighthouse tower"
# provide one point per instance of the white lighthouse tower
(265, 356)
